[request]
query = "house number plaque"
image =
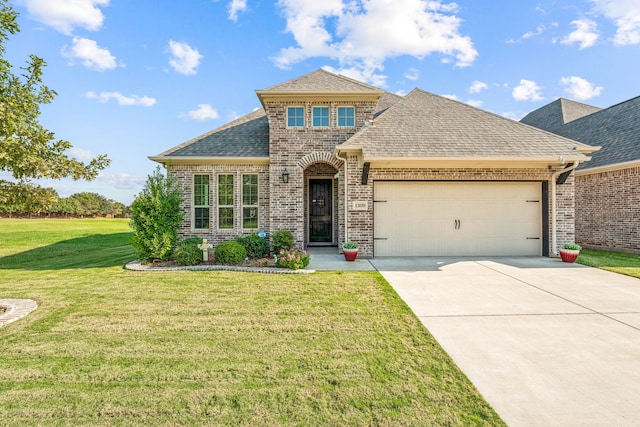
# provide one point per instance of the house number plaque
(360, 205)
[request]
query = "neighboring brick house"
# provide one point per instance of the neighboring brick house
(608, 187)
(334, 159)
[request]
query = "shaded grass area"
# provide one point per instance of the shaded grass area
(108, 346)
(618, 262)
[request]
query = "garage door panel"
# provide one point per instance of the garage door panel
(457, 218)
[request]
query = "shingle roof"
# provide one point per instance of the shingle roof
(553, 116)
(424, 125)
(247, 136)
(616, 129)
(322, 81)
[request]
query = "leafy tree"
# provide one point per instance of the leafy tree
(156, 217)
(27, 150)
(67, 206)
(26, 198)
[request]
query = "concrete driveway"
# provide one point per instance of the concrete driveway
(546, 343)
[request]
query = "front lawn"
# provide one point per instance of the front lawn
(108, 346)
(618, 262)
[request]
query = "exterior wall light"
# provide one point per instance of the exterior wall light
(285, 176)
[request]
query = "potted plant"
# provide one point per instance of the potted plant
(350, 251)
(570, 252)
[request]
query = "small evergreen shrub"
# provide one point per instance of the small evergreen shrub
(282, 239)
(192, 241)
(188, 253)
(293, 258)
(230, 253)
(256, 246)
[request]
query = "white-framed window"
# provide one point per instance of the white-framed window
(225, 201)
(250, 201)
(346, 116)
(201, 205)
(295, 117)
(320, 117)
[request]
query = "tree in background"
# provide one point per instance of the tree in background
(27, 150)
(156, 217)
(26, 198)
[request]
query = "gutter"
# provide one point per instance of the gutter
(554, 177)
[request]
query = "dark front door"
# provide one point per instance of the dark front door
(320, 211)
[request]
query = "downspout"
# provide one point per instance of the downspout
(554, 177)
(346, 205)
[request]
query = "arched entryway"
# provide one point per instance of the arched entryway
(321, 195)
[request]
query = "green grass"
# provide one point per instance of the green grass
(108, 346)
(618, 262)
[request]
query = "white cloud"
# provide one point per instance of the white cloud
(122, 181)
(412, 74)
(626, 15)
(449, 96)
(527, 90)
(90, 54)
(529, 34)
(204, 112)
(477, 87)
(580, 88)
(143, 101)
(64, 15)
(363, 35)
(585, 33)
(236, 6)
(80, 154)
(184, 59)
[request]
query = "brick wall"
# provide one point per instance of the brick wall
(608, 210)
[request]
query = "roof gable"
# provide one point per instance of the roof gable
(553, 116)
(427, 126)
(322, 81)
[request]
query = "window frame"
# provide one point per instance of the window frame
(328, 116)
(353, 117)
(201, 206)
(255, 205)
(225, 206)
(289, 108)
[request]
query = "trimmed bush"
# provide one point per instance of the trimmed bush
(230, 253)
(282, 239)
(156, 217)
(187, 252)
(293, 258)
(256, 246)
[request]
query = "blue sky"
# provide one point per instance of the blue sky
(135, 78)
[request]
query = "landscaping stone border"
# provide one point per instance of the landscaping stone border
(137, 266)
(16, 309)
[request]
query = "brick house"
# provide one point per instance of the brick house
(608, 187)
(333, 159)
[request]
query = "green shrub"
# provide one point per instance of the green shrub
(282, 239)
(230, 253)
(192, 241)
(156, 217)
(256, 246)
(188, 253)
(293, 258)
(572, 247)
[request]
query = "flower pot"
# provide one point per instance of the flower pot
(568, 255)
(350, 254)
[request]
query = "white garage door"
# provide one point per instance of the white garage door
(457, 218)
